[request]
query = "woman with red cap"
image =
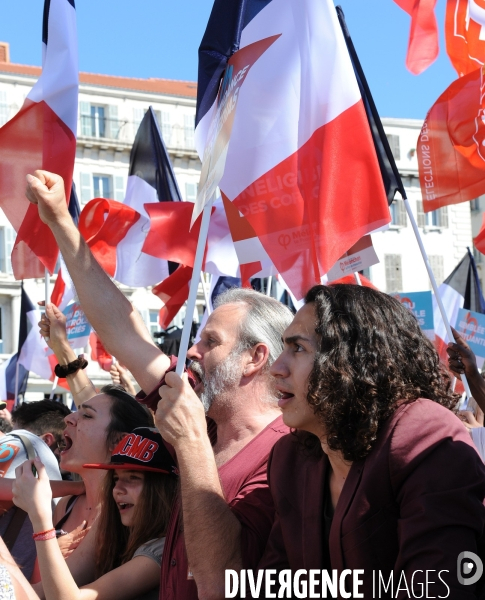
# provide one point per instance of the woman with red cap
(138, 491)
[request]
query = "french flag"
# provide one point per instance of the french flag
(300, 163)
(461, 289)
(13, 375)
(42, 135)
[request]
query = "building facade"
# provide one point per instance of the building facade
(110, 111)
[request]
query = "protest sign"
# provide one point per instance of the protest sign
(77, 326)
(361, 256)
(471, 326)
(421, 305)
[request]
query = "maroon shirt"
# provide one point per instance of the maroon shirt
(245, 486)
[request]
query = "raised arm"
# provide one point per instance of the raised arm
(134, 578)
(116, 321)
(462, 360)
(53, 329)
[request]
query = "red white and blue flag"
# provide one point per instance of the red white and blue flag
(42, 135)
(461, 289)
(283, 125)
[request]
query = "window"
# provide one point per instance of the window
(153, 323)
(436, 218)
(475, 204)
(189, 126)
(398, 213)
(394, 145)
(7, 239)
(190, 192)
(477, 255)
(102, 186)
(99, 121)
(393, 267)
(3, 107)
(436, 263)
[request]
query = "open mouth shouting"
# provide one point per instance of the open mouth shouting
(124, 506)
(66, 444)
(284, 398)
(198, 373)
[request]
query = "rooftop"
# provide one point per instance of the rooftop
(170, 87)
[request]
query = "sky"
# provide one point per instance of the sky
(159, 38)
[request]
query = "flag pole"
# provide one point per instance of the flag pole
(357, 278)
(268, 289)
(53, 389)
(194, 284)
(434, 285)
(206, 294)
(46, 285)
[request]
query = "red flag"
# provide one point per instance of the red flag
(451, 150)
(423, 44)
(465, 39)
(99, 352)
(42, 135)
(173, 292)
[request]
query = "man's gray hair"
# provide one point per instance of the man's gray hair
(265, 321)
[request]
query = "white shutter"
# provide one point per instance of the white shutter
(189, 125)
(190, 192)
(421, 217)
(393, 268)
(437, 266)
(86, 187)
(119, 191)
(86, 119)
(3, 107)
(166, 128)
(138, 114)
(443, 216)
(403, 218)
(113, 123)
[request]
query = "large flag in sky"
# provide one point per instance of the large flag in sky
(465, 34)
(461, 289)
(291, 107)
(423, 44)
(10, 375)
(451, 150)
(42, 135)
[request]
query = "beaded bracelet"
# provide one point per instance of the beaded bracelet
(42, 536)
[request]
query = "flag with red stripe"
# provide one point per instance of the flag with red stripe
(465, 41)
(42, 135)
(291, 165)
(461, 289)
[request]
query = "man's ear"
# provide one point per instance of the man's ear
(49, 439)
(259, 355)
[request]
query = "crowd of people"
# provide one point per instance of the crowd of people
(329, 440)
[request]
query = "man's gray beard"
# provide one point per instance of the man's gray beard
(223, 379)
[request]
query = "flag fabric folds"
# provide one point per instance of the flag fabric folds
(461, 289)
(292, 168)
(423, 47)
(465, 42)
(451, 151)
(99, 352)
(479, 240)
(42, 135)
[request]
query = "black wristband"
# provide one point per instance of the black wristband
(63, 371)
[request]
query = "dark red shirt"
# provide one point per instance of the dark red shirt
(245, 486)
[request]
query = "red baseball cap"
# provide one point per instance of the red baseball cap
(141, 450)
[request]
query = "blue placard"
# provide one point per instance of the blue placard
(77, 326)
(471, 326)
(421, 305)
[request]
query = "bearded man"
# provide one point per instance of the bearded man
(225, 506)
